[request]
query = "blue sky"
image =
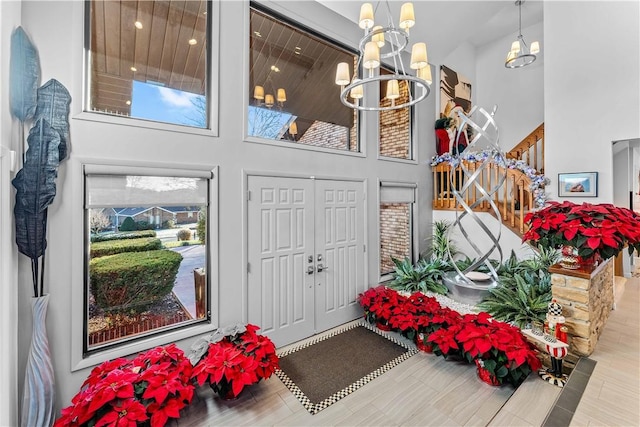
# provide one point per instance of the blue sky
(166, 105)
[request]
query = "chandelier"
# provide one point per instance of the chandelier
(520, 54)
(385, 43)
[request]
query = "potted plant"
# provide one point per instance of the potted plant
(379, 303)
(236, 360)
(586, 231)
(148, 390)
(47, 108)
(499, 350)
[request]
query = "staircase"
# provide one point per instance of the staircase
(514, 199)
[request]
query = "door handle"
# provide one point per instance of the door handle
(321, 268)
(310, 269)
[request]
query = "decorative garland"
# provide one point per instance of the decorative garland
(538, 180)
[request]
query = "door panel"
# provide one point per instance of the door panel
(280, 237)
(306, 255)
(340, 244)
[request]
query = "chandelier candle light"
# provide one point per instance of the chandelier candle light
(520, 54)
(385, 43)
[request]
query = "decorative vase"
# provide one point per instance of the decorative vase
(383, 325)
(572, 261)
(422, 343)
(569, 257)
(39, 393)
(226, 392)
(485, 375)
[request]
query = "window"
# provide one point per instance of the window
(293, 97)
(146, 254)
(395, 125)
(396, 217)
(149, 60)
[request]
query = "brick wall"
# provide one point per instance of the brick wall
(395, 136)
(329, 135)
(395, 234)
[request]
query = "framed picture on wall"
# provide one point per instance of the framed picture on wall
(580, 184)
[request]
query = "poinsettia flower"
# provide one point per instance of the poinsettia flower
(161, 413)
(100, 371)
(117, 384)
(126, 413)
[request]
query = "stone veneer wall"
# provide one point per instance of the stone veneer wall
(586, 299)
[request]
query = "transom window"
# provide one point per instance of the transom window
(149, 60)
(293, 97)
(395, 125)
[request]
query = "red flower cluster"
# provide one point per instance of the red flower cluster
(149, 389)
(601, 229)
(501, 348)
(380, 303)
(237, 361)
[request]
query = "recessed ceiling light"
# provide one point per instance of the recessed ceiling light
(274, 68)
(193, 42)
(138, 25)
(134, 69)
(128, 102)
(297, 52)
(298, 48)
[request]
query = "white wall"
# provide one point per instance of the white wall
(518, 93)
(57, 31)
(592, 90)
(9, 20)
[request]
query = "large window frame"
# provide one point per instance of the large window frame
(392, 192)
(81, 357)
(211, 78)
(249, 93)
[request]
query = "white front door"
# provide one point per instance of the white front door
(339, 243)
(306, 255)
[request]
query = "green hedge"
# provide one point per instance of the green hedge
(112, 247)
(120, 236)
(134, 280)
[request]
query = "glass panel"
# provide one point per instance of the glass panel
(293, 95)
(145, 261)
(395, 125)
(149, 60)
(395, 234)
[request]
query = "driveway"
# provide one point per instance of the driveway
(192, 257)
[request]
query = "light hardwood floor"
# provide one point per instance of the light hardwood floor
(428, 391)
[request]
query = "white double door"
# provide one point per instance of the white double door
(306, 255)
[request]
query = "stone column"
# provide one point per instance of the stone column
(586, 296)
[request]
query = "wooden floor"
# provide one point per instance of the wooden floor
(428, 391)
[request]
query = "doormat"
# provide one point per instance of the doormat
(323, 371)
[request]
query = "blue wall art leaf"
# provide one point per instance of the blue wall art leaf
(36, 181)
(24, 76)
(53, 106)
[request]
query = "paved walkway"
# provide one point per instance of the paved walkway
(192, 257)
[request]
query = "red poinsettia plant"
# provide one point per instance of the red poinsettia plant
(380, 303)
(600, 229)
(496, 347)
(147, 390)
(236, 361)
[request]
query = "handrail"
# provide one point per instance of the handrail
(530, 148)
(514, 201)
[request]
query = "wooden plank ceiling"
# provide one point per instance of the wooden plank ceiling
(307, 70)
(158, 52)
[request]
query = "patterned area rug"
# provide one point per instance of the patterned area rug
(323, 371)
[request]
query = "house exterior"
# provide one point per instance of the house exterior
(585, 89)
(157, 216)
